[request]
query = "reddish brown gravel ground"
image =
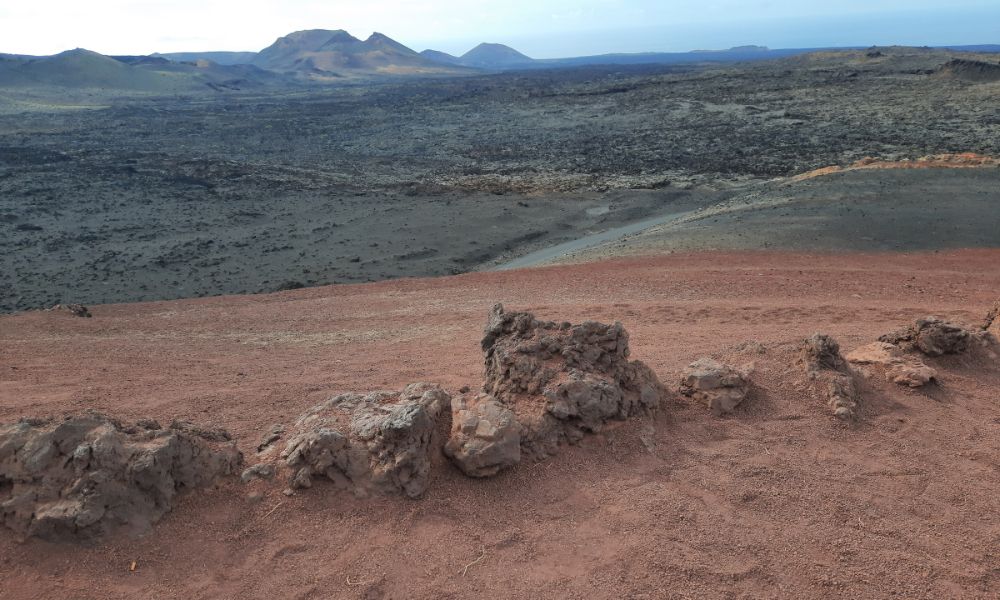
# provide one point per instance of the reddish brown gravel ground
(780, 500)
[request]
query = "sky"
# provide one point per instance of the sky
(539, 28)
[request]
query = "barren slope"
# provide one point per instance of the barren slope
(780, 500)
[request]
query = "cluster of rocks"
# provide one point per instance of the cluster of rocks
(900, 368)
(87, 474)
(900, 353)
(545, 384)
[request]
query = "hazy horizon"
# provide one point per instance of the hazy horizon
(542, 30)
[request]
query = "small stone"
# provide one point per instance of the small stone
(721, 387)
(261, 471)
(485, 436)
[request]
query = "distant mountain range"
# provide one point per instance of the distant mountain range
(320, 56)
(85, 69)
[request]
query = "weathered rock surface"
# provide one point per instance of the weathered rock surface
(820, 354)
(485, 436)
(931, 336)
(89, 474)
(379, 442)
(719, 386)
(899, 368)
(992, 323)
(561, 380)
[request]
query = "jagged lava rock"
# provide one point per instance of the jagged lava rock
(89, 474)
(378, 442)
(899, 368)
(485, 436)
(820, 354)
(720, 386)
(931, 336)
(562, 380)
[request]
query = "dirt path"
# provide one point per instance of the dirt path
(780, 500)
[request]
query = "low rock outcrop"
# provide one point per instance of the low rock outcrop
(379, 442)
(485, 436)
(77, 310)
(89, 474)
(820, 354)
(931, 336)
(899, 368)
(721, 387)
(562, 381)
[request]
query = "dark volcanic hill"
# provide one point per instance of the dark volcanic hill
(83, 69)
(441, 57)
(319, 53)
(494, 56)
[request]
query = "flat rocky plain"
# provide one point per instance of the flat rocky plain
(115, 199)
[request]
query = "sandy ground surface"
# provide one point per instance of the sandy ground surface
(780, 500)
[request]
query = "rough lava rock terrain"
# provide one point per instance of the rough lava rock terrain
(380, 442)
(89, 474)
(719, 386)
(562, 380)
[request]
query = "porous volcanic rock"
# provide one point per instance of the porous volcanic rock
(931, 336)
(561, 380)
(485, 436)
(89, 474)
(718, 385)
(899, 368)
(820, 354)
(379, 442)
(992, 323)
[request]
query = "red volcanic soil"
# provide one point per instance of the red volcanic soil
(779, 500)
